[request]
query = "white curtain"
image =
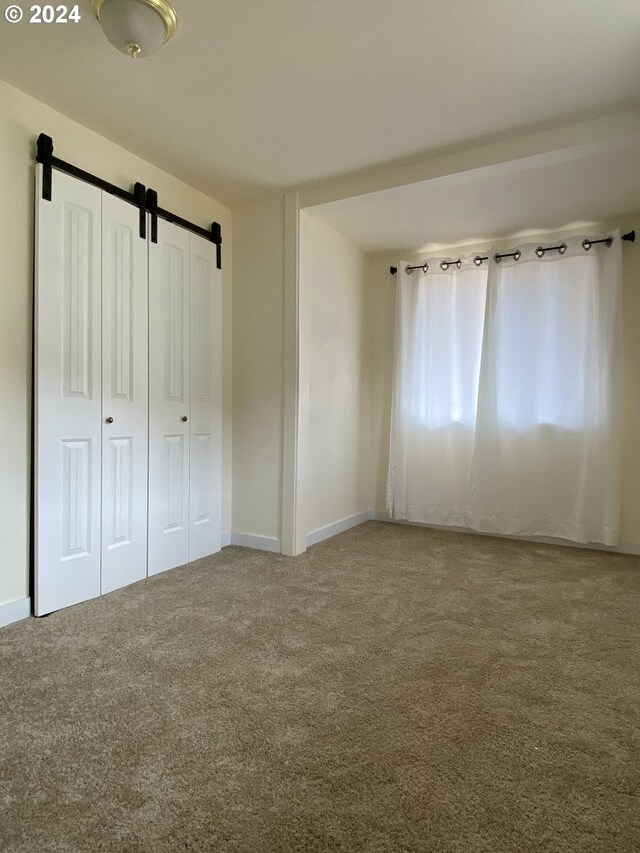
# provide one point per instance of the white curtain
(439, 322)
(506, 399)
(546, 455)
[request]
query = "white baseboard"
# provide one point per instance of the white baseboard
(13, 611)
(622, 548)
(261, 543)
(337, 527)
(225, 539)
(269, 543)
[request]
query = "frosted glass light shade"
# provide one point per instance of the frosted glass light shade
(138, 28)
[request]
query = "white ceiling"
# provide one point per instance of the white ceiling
(490, 204)
(255, 97)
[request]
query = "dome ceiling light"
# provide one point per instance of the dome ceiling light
(136, 27)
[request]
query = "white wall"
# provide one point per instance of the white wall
(334, 330)
(381, 289)
(258, 368)
(382, 311)
(630, 522)
(21, 120)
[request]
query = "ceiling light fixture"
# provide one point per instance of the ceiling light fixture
(136, 27)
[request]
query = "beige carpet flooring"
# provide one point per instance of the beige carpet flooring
(393, 689)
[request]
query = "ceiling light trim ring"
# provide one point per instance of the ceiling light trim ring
(162, 7)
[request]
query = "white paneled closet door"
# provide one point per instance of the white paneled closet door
(205, 418)
(127, 396)
(124, 395)
(67, 394)
(168, 399)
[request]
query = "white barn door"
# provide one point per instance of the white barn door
(206, 416)
(67, 394)
(124, 395)
(168, 399)
(127, 395)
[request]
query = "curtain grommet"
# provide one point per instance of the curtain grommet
(586, 244)
(517, 255)
(540, 252)
(478, 261)
(562, 248)
(444, 265)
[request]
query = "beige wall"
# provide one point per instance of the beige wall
(381, 290)
(21, 120)
(334, 329)
(631, 379)
(382, 302)
(258, 367)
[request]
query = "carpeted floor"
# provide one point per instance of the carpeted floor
(393, 689)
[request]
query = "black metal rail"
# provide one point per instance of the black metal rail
(146, 200)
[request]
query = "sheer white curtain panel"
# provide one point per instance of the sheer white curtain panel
(546, 458)
(438, 343)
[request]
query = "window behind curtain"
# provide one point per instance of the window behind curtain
(442, 328)
(546, 344)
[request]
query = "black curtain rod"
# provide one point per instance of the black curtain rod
(144, 199)
(540, 252)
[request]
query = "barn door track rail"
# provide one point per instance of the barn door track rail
(141, 197)
(214, 234)
(50, 162)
